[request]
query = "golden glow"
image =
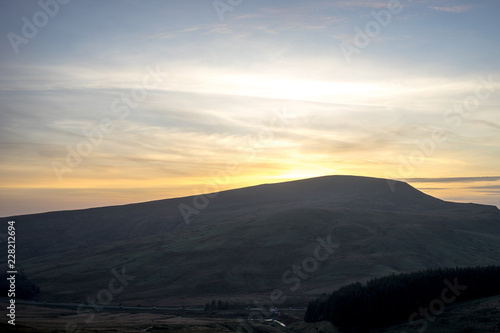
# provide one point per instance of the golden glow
(201, 120)
(299, 89)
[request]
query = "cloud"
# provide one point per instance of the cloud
(175, 33)
(360, 3)
(452, 179)
(452, 9)
(486, 123)
(492, 188)
(165, 35)
(276, 19)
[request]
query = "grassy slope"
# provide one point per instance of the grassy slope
(251, 256)
(246, 239)
(79, 229)
(476, 316)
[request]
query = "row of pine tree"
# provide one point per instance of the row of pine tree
(219, 305)
(392, 299)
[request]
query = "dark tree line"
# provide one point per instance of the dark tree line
(392, 299)
(219, 305)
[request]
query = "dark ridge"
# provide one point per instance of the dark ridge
(94, 226)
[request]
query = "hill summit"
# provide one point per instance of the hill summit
(352, 191)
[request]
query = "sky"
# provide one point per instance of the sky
(115, 102)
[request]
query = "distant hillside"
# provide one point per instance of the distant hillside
(246, 239)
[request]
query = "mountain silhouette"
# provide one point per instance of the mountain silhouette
(246, 241)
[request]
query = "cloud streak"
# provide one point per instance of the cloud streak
(452, 9)
(452, 179)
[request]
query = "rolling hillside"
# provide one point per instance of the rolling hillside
(245, 243)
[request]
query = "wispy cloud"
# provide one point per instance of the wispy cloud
(165, 35)
(493, 188)
(452, 179)
(174, 34)
(452, 9)
(360, 3)
(486, 123)
(274, 20)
